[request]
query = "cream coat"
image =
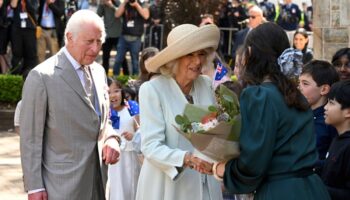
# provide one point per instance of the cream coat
(162, 176)
(60, 130)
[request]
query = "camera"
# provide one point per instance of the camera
(132, 1)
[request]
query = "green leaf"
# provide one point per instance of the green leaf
(179, 119)
(195, 113)
(213, 109)
(228, 98)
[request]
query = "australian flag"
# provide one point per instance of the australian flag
(220, 71)
(115, 119)
(133, 107)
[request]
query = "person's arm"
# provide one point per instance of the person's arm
(57, 7)
(32, 122)
(1, 2)
(153, 134)
(257, 139)
(144, 12)
(121, 9)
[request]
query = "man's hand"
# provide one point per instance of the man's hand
(111, 151)
(38, 196)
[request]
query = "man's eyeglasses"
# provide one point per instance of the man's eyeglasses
(339, 64)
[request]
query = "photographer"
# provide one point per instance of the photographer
(134, 13)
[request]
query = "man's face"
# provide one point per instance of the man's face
(86, 44)
(255, 19)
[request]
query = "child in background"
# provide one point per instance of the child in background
(341, 62)
(123, 177)
(336, 170)
(315, 82)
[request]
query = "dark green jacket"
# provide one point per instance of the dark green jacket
(278, 149)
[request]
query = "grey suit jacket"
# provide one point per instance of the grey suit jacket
(60, 130)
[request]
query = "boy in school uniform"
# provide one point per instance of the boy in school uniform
(336, 170)
(315, 82)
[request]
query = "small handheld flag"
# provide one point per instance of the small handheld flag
(220, 71)
(133, 107)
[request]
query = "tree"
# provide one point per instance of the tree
(178, 12)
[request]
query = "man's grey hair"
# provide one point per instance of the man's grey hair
(81, 17)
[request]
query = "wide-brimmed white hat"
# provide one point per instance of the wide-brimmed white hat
(182, 40)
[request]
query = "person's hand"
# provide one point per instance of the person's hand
(127, 135)
(50, 2)
(133, 4)
(111, 151)
(202, 166)
(42, 195)
(220, 169)
(108, 3)
(198, 164)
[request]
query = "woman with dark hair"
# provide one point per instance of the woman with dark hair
(300, 42)
(276, 141)
(341, 62)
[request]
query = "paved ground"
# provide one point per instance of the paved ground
(11, 185)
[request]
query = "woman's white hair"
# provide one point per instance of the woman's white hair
(81, 17)
(170, 68)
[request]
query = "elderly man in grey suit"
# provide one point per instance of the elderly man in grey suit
(65, 118)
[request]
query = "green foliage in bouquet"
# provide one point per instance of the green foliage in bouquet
(197, 119)
(227, 104)
(192, 114)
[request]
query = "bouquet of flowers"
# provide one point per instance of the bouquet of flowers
(213, 131)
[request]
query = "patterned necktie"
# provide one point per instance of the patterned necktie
(88, 84)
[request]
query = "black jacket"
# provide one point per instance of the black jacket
(336, 171)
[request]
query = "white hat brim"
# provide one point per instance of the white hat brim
(203, 37)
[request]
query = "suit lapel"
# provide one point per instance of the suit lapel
(98, 86)
(70, 76)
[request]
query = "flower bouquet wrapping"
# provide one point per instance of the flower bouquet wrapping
(213, 131)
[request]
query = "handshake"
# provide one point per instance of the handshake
(198, 164)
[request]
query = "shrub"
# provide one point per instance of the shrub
(123, 79)
(10, 88)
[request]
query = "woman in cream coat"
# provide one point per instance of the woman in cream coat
(168, 169)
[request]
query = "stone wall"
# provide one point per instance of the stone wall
(331, 27)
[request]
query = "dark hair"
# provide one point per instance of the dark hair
(262, 47)
(131, 92)
(322, 72)
(119, 85)
(146, 53)
(340, 91)
(303, 32)
(340, 53)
